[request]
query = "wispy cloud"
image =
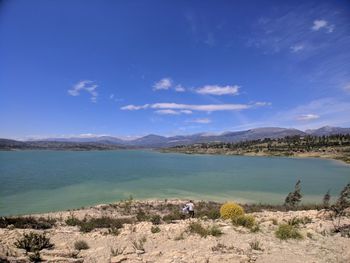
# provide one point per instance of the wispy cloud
(317, 113)
(163, 84)
(134, 107)
(307, 117)
(297, 48)
(322, 24)
(201, 121)
(218, 90)
(173, 112)
(186, 108)
(180, 88)
(85, 85)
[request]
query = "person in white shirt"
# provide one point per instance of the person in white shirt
(190, 208)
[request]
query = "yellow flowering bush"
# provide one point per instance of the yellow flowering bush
(231, 210)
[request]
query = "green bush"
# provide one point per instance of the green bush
(87, 225)
(197, 228)
(33, 242)
(27, 222)
(286, 231)
(247, 221)
(142, 216)
(231, 210)
(155, 229)
(213, 213)
(81, 245)
(35, 257)
(175, 215)
(156, 220)
(72, 221)
(214, 231)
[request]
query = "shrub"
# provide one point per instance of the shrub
(286, 231)
(141, 216)
(247, 221)
(33, 242)
(155, 229)
(295, 221)
(326, 199)
(139, 245)
(87, 225)
(179, 237)
(72, 221)
(81, 245)
(175, 215)
(213, 214)
(197, 228)
(255, 245)
(215, 231)
(35, 257)
(156, 220)
(294, 198)
(27, 222)
(231, 210)
(255, 228)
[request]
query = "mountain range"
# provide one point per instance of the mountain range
(157, 141)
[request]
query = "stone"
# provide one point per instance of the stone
(118, 259)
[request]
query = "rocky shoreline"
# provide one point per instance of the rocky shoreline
(155, 231)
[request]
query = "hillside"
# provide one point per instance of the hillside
(332, 147)
(157, 141)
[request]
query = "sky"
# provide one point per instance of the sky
(131, 68)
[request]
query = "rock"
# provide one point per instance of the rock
(118, 259)
(140, 251)
(60, 253)
(129, 250)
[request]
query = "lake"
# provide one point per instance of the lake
(41, 181)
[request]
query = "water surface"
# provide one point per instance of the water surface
(40, 181)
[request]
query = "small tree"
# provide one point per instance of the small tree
(339, 209)
(326, 199)
(294, 198)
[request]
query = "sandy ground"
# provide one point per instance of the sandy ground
(174, 243)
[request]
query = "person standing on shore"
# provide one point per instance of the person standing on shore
(190, 208)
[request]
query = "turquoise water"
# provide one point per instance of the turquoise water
(40, 181)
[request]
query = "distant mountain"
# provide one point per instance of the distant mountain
(328, 130)
(157, 141)
(100, 139)
(150, 140)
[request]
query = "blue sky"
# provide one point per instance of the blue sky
(130, 68)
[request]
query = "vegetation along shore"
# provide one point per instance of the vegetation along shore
(331, 147)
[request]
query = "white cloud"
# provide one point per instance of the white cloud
(167, 112)
(134, 107)
(179, 88)
(296, 48)
(111, 96)
(186, 111)
(85, 85)
(188, 108)
(218, 90)
(163, 84)
(319, 24)
(262, 103)
(173, 112)
(201, 121)
(307, 117)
